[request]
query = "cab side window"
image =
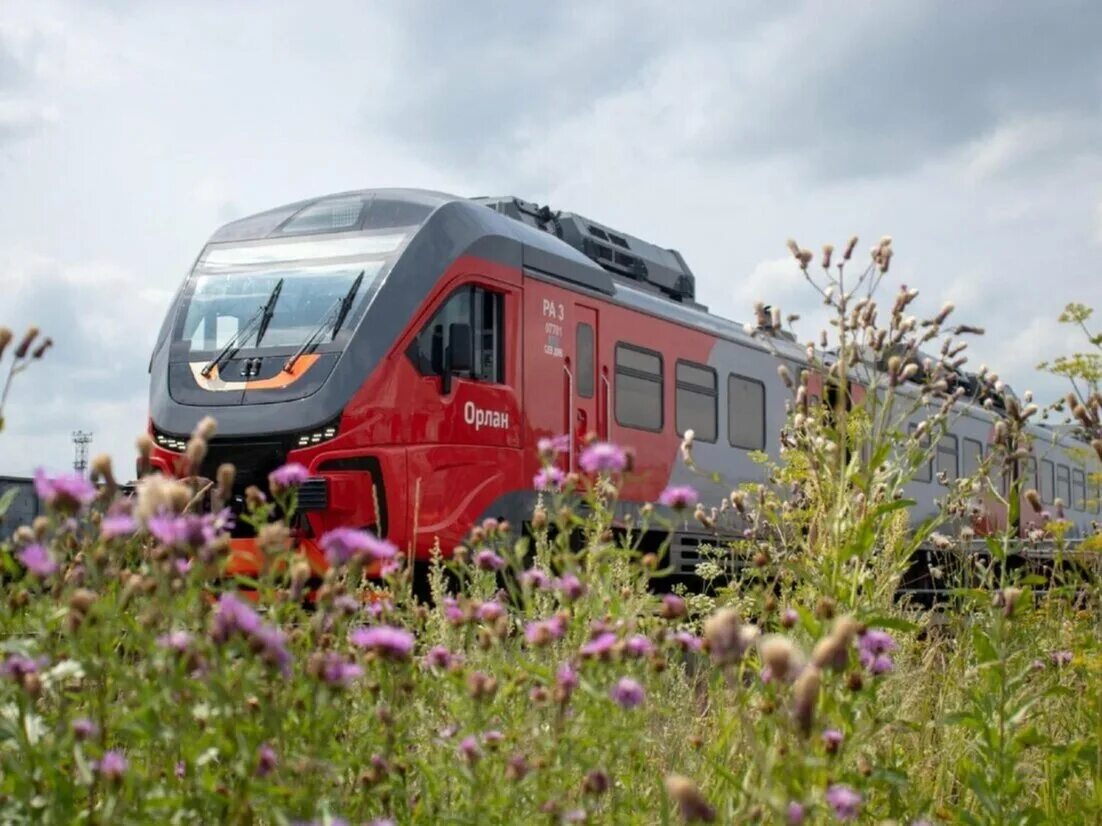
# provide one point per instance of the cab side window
(483, 311)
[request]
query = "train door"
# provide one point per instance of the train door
(587, 386)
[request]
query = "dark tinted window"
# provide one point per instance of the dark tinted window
(745, 413)
(696, 403)
(483, 310)
(638, 388)
(1063, 484)
(1078, 490)
(971, 456)
(947, 456)
(1047, 482)
(584, 351)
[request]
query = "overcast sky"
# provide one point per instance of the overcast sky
(970, 132)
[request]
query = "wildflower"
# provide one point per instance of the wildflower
(722, 637)
(603, 457)
(393, 643)
(493, 738)
(1061, 658)
(113, 765)
(266, 760)
(876, 641)
(453, 613)
(687, 641)
(600, 646)
(119, 524)
(38, 560)
(490, 610)
(290, 475)
(627, 693)
(570, 587)
(334, 670)
(832, 739)
(468, 749)
(439, 657)
(549, 448)
(678, 497)
(673, 607)
(794, 816)
(487, 560)
(691, 803)
(535, 578)
(1007, 599)
(542, 632)
(517, 768)
(342, 545)
(596, 782)
(549, 478)
(638, 646)
(175, 640)
(779, 656)
(17, 666)
(84, 728)
(182, 531)
(805, 696)
(67, 493)
(845, 802)
(231, 615)
(566, 680)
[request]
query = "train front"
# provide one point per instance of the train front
(278, 328)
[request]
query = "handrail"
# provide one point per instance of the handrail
(569, 417)
(608, 405)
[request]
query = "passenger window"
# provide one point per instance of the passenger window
(745, 413)
(1063, 484)
(584, 352)
(1078, 490)
(638, 387)
(483, 311)
(947, 456)
(1047, 481)
(697, 394)
(971, 456)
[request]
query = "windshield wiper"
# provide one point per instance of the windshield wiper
(334, 318)
(263, 315)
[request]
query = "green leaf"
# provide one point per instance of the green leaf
(891, 623)
(6, 498)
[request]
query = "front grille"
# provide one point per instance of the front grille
(313, 495)
(253, 460)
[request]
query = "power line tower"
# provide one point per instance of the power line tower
(81, 440)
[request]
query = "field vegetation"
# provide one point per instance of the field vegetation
(553, 677)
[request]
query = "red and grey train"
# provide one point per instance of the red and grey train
(410, 347)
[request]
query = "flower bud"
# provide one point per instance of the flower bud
(691, 803)
(25, 342)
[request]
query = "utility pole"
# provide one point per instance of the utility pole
(81, 440)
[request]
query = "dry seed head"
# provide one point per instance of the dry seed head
(156, 494)
(805, 696)
(691, 803)
(721, 636)
(828, 251)
(779, 654)
(5, 339)
(195, 454)
(206, 428)
(41, 349)
(144, 445)
(805, 257)
(850, 245)
(1034, 499)
(25, 342)
(794, 248)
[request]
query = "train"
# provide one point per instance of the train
(410, 348)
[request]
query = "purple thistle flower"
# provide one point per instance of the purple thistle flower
(290, 475)
(336, 671)
(542, 632)
(392, 643)
(678, 497)
(535, 578)
(627, 693)
(673, 606)
(603, 457)
(266, 760)
(273, 646)
(551, 447)
(38, 560)
(492, 737)
(1061, 658)
(875, 664)
(84, 728)
(832, 739)
(439, 657)
(600, 646)
(566, 678)
(175, 640)
(113, 764)
(232, 615)
(341, 545)
(845, 802)
(121, 524)
(570, 587)
(795, 814)
(181, 769)
(490, 610)
(876, 641)
(487, 560)
(16, 666)
(185, 531)
(687, 641)
(453, 613)
(549, 478)
(469, 750)
(638, 646)
(69, 492)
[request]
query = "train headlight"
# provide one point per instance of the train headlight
(170, 442)
(314, 437)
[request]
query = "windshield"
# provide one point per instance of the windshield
(231, 285)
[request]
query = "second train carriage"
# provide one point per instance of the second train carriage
(410, 347)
